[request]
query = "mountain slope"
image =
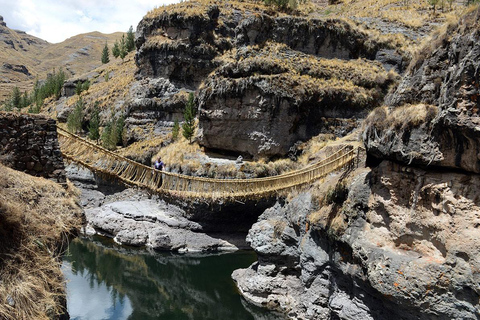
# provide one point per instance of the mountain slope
(24, 57)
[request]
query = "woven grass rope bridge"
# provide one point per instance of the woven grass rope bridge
(105, 162)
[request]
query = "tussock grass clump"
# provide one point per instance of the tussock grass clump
(401, 118)
(36, 218)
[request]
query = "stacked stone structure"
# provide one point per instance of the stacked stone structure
(29, 143)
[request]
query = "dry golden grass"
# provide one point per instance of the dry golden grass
(381, 19)
(401, 118)
(200, 7)
(301, 77)
(279, 58)
(141, 151)
(36, 217)
(453, 25)
(413, 15)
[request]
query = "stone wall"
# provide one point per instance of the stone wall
(29, 143)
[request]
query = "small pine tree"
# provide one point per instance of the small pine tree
(75, 119)
(116, 50)
(188, 125)
(78, 87)
(123, 48)
(58, 83)
(108, 140)
(94, 125)
(24, 101)
(105, 54)
(86, 85)
(175, 130)
(112, 133)
(130, 42)
(119, 125)
(16, 98)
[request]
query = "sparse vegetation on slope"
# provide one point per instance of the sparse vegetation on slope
(30, 57)
(303, 71)
(36, 217)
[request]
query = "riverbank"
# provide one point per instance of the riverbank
(134, 217)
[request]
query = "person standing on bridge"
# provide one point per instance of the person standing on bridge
(159, 164)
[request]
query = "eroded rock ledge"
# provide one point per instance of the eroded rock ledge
(403, 245)
(446, 75)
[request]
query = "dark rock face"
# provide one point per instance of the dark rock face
(29, 144)
(401, 246)
(447, 76)
(255, 111)
(17, 68)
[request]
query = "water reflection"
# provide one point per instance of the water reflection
(109, 282)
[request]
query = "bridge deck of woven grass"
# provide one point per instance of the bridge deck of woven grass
(103, 161)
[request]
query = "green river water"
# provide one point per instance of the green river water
(107, 281)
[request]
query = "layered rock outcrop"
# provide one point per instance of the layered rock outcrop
(29, 144)
(403, 244)
(263, 80)
(447, 76)
(399, 240)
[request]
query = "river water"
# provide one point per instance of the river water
(107, 281)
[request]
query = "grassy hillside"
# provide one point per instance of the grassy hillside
(36, 216)
(24, 57)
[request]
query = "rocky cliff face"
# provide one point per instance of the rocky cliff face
(401, 245)
(445, 75)
(263, 80)
(400, 239)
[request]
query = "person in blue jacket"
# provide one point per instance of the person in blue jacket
(159, 164)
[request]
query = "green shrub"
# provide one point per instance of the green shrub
(175, 130)
(75, 118)
(112, 133)
(94, 125)
(188, 126)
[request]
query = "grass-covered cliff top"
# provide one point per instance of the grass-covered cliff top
(275, 58)
(36, 217)
(402, 23)
(194, 8)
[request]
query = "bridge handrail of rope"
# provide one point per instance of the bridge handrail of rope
(105, 161)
